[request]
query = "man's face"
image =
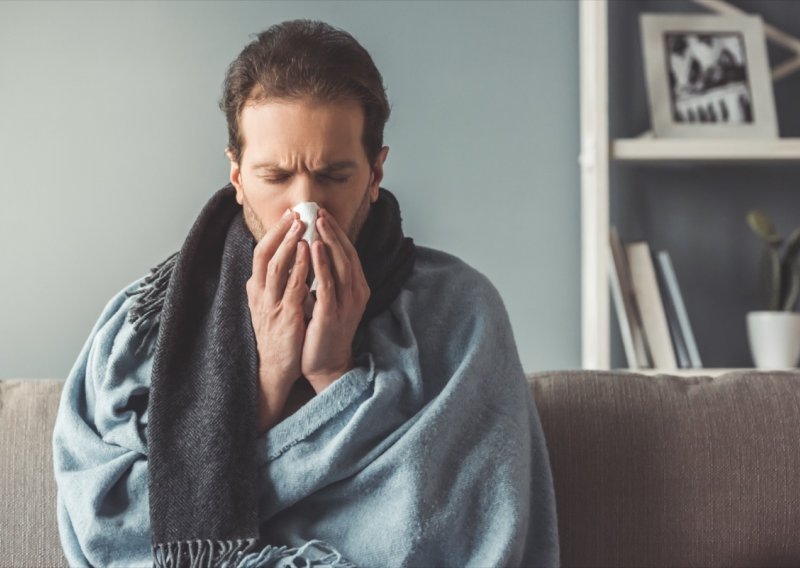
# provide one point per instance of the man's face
(302, 150)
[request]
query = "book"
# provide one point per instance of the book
(651, 307)
(678, 342)
(633, 339)
(622, 316)
(682, 316)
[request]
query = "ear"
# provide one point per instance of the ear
(377, 174)
(235, 176)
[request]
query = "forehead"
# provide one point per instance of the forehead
(281, 130)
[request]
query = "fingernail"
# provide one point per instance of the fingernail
(287, 213)
(295, 225)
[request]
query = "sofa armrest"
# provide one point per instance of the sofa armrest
(28, 528)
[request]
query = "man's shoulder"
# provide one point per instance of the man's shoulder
(434, 263)
(120, 304)
(127, 324)
(443, 278)
(449, 312)
(116, 317)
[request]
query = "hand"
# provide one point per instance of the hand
(275, 298)
(342, 294)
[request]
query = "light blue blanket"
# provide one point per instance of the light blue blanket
(428, 453)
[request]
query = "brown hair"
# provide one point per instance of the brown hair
(305, 58)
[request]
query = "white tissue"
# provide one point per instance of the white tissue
(308, 211)
(308, 214)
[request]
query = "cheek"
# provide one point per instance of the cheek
(267, 207)
(342, 212)
(350, 215)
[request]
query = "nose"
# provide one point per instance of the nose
(307, 189)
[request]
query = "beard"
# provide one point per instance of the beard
(251, 219)
(359, 218)
(352, 229)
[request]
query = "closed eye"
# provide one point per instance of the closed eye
(335, 179)
(275, 179)
(324, 177)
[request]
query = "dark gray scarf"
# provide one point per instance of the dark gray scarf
(201, 430)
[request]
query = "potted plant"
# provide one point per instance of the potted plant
(774, 331)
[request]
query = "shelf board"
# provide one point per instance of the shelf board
(647, 149)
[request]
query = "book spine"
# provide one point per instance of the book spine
(680, 309)
(620, 259)
(651, 308)
(675, 332)
(622, 316)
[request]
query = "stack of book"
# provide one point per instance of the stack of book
(655, 327)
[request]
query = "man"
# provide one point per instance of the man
(210, 420)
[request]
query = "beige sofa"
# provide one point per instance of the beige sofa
(649, 471)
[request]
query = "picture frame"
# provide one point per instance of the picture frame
(708, 76)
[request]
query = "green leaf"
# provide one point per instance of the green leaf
(763, 227)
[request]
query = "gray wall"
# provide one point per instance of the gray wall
(111, 141)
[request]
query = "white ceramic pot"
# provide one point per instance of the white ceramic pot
(774, 339)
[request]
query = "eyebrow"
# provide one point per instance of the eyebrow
(331, 167)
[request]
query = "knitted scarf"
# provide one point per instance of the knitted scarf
(201, 429)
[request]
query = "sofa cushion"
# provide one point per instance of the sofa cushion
(28, 529)
(674, 471)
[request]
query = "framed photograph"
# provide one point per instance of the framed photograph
(708, 76)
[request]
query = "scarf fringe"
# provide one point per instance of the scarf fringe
(201, 553)
(313, 554)
(147, 309)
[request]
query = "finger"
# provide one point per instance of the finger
(356, 269)
(326, 287)
(341, 263)
(296, 288)
(344, 240)
(280, 263)
(266, 247)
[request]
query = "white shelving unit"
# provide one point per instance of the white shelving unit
(598, 150)
(655, 150)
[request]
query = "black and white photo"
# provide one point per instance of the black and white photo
(708, 76)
